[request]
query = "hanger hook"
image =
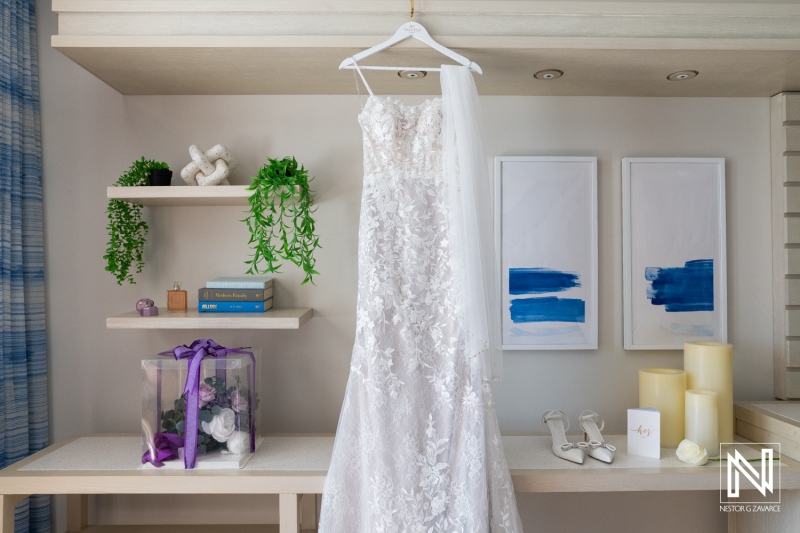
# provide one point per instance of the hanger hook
(412, 10)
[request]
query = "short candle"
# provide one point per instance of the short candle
(702, 419)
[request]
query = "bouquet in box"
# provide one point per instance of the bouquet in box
(223, 415)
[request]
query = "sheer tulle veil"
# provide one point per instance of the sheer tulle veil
(470, 207)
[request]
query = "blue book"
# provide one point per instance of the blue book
(240, 282)
(234, 307)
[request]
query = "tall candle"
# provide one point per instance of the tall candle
(702, 419)
(664, 389)
(709, 366)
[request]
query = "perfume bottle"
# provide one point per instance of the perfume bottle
(176, 298)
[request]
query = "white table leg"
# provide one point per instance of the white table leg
(7, 513)
(77, 512)
(289, 511)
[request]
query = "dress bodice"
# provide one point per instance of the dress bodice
(401, 140)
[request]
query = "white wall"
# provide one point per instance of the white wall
(91, 134)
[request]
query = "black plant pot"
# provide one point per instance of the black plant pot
(160, 177)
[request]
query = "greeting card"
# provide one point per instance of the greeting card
(644, 432)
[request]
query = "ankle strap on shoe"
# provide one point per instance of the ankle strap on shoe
(554, 415)
(591, 415)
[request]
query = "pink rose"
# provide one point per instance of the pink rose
(238, 402)
(207, 393)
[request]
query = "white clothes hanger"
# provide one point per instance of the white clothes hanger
(408, 30)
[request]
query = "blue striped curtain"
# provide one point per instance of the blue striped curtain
(23, 363)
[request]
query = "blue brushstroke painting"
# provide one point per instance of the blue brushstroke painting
(548, 309)
(540, 280)
(682, 289)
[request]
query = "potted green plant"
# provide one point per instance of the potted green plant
(160, 175)
(127, 231)
(280, 218)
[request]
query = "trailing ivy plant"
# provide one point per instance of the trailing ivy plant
(280, 221)
(126, 229)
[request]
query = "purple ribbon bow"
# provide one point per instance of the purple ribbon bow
(199, 350)
(165, 447)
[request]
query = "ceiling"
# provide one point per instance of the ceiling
(269, 47)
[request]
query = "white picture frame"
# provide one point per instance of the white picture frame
(546, 235)
(673, 224)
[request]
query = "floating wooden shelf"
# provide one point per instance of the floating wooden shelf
(222, 195)
(279, 318)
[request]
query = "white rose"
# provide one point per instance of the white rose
(222, 426)
(691, 453)
(239, 442)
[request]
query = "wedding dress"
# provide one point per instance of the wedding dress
(418, 446)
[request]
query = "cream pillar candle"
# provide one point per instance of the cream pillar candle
(702, 419)
(709, 366)
(664, 389)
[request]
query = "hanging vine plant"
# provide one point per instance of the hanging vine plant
(127, 231)
(280, 219)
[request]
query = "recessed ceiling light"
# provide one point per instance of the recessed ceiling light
(549, 74)
(682, 75)
(412, 74)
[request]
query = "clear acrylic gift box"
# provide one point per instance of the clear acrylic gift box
(227, 402)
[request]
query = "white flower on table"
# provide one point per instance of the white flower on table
(692, 453)
(222, 426)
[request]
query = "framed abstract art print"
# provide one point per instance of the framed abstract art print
(674, 267)
(546, 226)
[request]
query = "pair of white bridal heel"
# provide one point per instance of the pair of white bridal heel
(592, 424)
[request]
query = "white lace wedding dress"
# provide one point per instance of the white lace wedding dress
(418, 446)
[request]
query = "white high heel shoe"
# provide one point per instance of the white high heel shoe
(592, 424)
(558, 424)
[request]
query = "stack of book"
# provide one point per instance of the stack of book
(247, 294)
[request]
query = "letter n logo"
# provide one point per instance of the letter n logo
(738, 466)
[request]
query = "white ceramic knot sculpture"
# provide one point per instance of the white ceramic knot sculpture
(209, 168)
